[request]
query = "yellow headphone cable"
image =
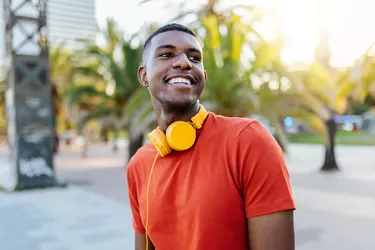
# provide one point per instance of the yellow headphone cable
(148, 187)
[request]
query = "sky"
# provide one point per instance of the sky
(349, 23)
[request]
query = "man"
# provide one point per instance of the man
(229, 190)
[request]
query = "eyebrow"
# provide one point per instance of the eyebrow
(168, 46)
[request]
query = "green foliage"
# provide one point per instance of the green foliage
(61, 64)
(107, 80)
(325, 92)
(227, 91)
(359, 108)
(370, 101)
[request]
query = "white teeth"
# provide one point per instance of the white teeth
(180, 80)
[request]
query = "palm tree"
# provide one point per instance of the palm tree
(326, 90)
(112, 83)
(324, 95)
(315, 95)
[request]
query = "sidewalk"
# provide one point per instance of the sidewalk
(334, 211)
(63, 219)
(75, 219)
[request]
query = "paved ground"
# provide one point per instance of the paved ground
(335, 211)
(63, 219)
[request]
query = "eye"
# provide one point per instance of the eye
(166, 54)
(195, 58)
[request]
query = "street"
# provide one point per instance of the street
(334, 210)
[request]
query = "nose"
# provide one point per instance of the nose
(182, 62)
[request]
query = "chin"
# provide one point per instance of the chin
(179, 104)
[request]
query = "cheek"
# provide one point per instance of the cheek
(200, 71)
(155, 73)
(152, 78)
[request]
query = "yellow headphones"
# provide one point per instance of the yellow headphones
(179, 136)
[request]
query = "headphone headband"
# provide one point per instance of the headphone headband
(200, 117)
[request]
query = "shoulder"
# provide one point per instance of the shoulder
(244, 135)
(257, 138)
(239, 127)
(141, 158)
(255, 131)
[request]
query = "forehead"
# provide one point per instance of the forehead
(179, 39)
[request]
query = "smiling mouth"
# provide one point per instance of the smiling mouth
(180, 81)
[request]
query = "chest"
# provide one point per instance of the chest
(188, 190)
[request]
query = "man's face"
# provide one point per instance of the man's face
(173, 69)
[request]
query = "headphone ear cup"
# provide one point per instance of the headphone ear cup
(181, 135)
(158, 138)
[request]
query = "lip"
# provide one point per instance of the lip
(186, 76)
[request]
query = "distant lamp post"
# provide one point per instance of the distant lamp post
(29, 100)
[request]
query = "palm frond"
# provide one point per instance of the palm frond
(142, 119)
(138, 98)
(106, 58)
(96, 114)
(132, 60)
(77, 92)
(88, 71)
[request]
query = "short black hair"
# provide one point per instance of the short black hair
(165, 28)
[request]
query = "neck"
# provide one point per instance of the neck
(166, 116)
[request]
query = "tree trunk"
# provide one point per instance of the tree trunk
(115, 140)
(105, 135)
(330, 163)
(135, 142)
(280, 135)
(85, 145)
(115, 146)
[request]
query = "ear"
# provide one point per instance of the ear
(205, 76)
(142, 76)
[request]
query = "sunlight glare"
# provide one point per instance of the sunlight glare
(298, 25)
(110, 89)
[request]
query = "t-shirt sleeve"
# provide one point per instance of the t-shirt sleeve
(133, 200)
(265, 180)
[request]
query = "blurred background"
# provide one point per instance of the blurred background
(72, 111)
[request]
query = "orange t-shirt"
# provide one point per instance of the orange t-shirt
(199, 199)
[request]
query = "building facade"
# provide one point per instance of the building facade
(71, 22)
(68, 21)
